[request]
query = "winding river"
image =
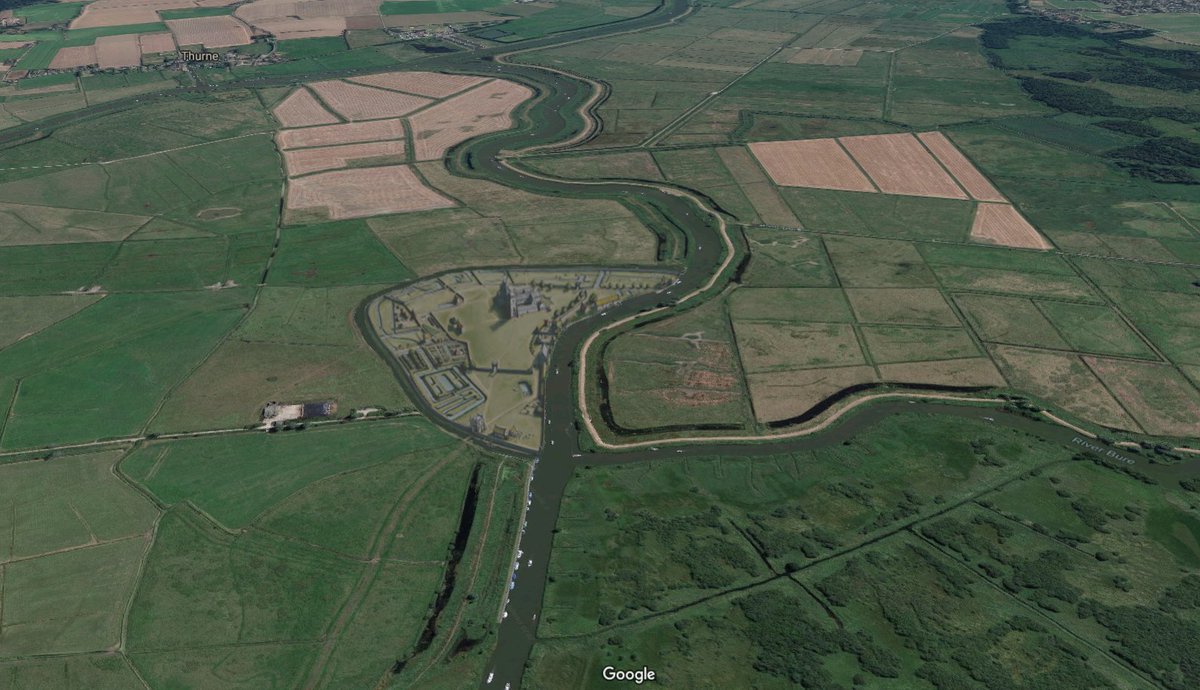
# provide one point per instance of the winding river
(555, 117)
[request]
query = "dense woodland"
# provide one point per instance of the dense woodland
(1106, 58)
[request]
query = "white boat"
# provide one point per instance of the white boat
(490, 677)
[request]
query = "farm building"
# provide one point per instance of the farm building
(276, 413)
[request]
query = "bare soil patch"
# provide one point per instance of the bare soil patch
(77, 56)
(118, 51)
(157, 43)
(211, 32)
(898, 164)
(818, 163)
(1002, 224)
(301, 109)
(962, 169)
(431, 84)
(364, 192)
(288, 28)
(487, 108)
(304, 161)
(355, 102)
(332, 135)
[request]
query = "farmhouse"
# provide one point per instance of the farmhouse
(277, 413)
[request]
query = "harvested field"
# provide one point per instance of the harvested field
(819, 163)
(288, 28)
(1001, 224)
(487, 108)
(106, 13)
(1064, 380)
(157, 43)
(78, 56)
(301, 109)
(431, 84)
(211, 32)
(364, 192)
(355, 102)
(962, 169)
(898, 164)
(118, 51)
(784, 394)
(351, 133)
(364, 22)
(975, 371)
(304, 161)
(826, 56)
(1158, 396)
(302, 9)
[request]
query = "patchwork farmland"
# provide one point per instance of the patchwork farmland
(765, 218)
(374, 132)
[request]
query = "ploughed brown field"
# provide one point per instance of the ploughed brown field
(304, 161)
(967, 174)
(357, 169)
(362, 192)
(899, 164)
(75, 56)
(431, 84)
(355, 102)
(1002, 224)
(210, 32)
(484, 109)
(301, 109)
(118, 51)
(124, 50)
(819, 163)
(157, 43)
(288, 28)
(349, 133)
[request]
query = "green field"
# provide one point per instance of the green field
(734, 554)
(54, 13)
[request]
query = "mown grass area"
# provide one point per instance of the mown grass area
(103, 672)
(53, 13)
(297, 344)
(101, 373)
(75, 535)
(301, 48)
(337, 563)
(247, 465)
